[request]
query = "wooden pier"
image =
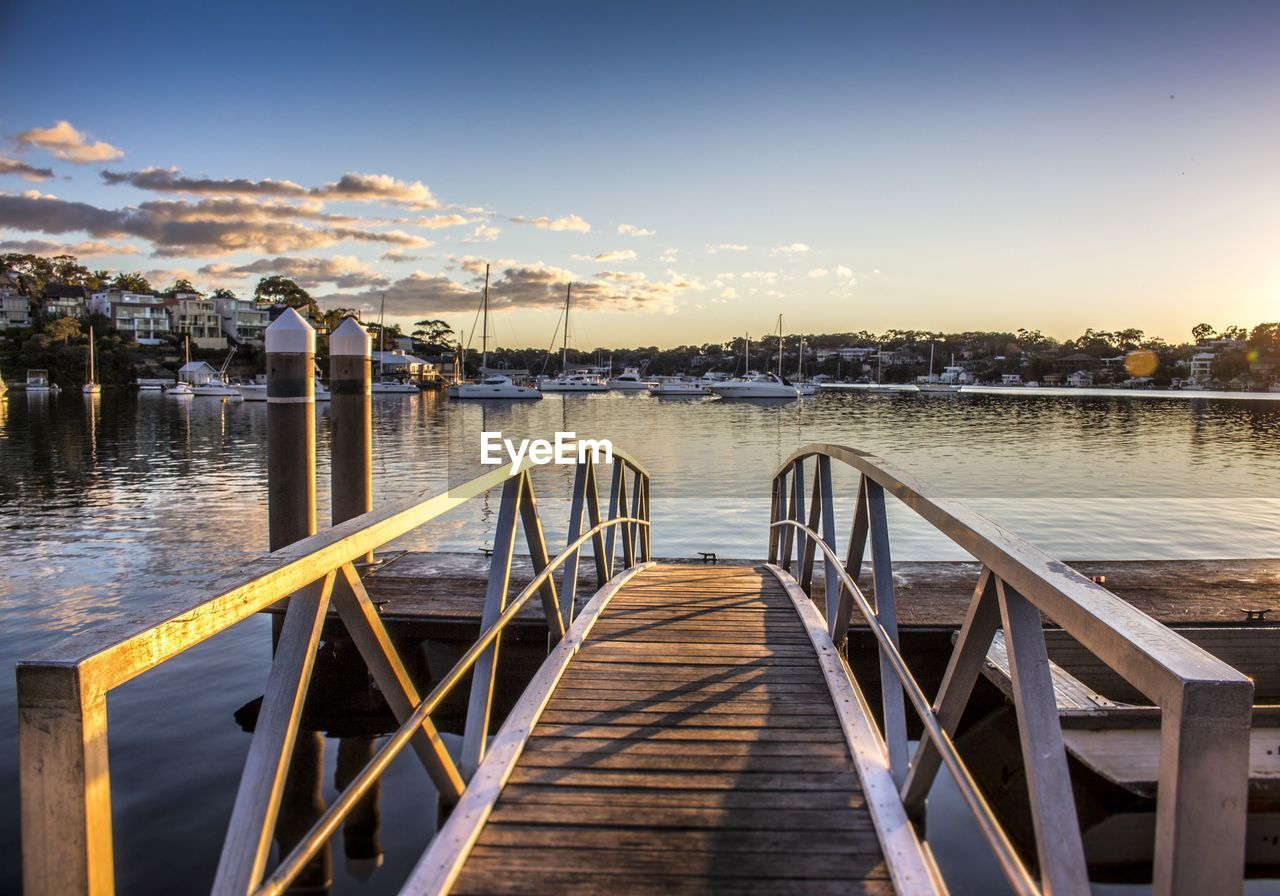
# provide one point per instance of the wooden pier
(687, 728)
(692, 744)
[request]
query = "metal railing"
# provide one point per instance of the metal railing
(1205, 704)
(65, 781)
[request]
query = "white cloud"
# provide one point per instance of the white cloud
(483, 233)
(343, 271)
(85, 249)
(728, 293)
(69, 144)
(435, 222)
(791, 249)
(761, 276)
(726, 247)
(818, 272)
(844, 272)
(632, 230)
(611, 255)
(568, 222)
(669, 256)
(24, 171)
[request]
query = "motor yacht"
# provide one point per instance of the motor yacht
(630, 380)
(756, 385)
(38, 381)
(180, 390)
(676, 386)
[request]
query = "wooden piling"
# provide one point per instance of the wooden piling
(291, 430)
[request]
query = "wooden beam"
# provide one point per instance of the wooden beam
(892, 701)
(537, 544)
(439, 866)
(65, 785)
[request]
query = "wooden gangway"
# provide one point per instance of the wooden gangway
(692, 744)
(692, 728)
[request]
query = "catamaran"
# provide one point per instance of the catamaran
(91, 385)
(758, 385)
(578, 380)
(492, 386)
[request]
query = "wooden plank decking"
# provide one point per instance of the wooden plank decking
(691, 746)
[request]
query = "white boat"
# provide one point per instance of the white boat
(217, 386)
(91, 386)
(676, 386)
(630, 380)
(578, 381)
(492, 386)
(180, 390)
(393, 387)
(804, 388)
(258, 391)
(756, 385)
(38, 381)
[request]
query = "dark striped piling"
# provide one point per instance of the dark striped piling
(291, 430)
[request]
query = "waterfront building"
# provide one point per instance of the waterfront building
(1202, 366)
(63, 300)
(196, 373)
(15, 309)
(195, 316)
(1080, 379)
(137, 315)
(243, 321)
(399, 364)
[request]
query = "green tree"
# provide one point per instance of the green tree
(222, 293)
(63, 330)
(277, 290)
(434, 332)
(132, 282)
(1201, 331)
(180, 286)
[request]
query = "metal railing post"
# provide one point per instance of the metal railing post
(495, 601)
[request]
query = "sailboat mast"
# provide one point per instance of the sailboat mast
(92, 378)
(382, 317)
(930, 377)
(779, 345)
(564, 352)
(484, 333)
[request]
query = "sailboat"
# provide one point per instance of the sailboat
(181, 389)
(804, 388)
(381, 385)
(758, 385)
(579, 380)
(492, 385)
(91, 385)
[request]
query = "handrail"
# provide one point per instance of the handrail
(1206, 705)
(1014, 869)
(65, 782)
(293, 864)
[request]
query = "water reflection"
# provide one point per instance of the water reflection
(114, 504)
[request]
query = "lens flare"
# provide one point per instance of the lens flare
(1141, 362)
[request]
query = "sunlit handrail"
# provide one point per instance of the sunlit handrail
(62, 689)
(1206, 705)
(294, 863)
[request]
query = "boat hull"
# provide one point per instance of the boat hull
(481, 392)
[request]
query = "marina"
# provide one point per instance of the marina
(437, 600)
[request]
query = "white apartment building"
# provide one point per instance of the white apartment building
(137, 315)
(243, 321)
(1202, 366)
(15, 310)
(198, 318)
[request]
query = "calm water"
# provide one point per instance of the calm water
(108, 505)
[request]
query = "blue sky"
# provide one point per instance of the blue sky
(946, 166)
